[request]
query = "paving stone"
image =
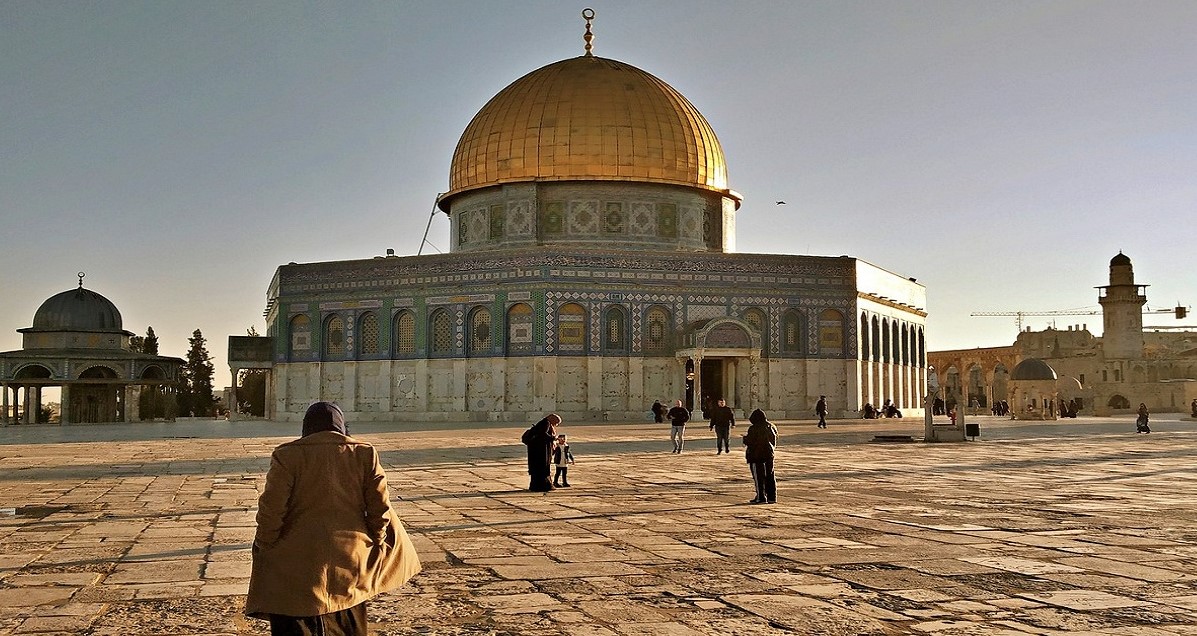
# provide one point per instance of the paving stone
(1085, 599)
(155, 572)
(1022, 566)
(806, 615)
(35, 596)
(69, 579)
(519, 603)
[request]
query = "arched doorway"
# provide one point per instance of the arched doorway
(97, 397)
(721, 364)
(32, 378)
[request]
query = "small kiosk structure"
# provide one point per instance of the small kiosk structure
(78, 343)
(1033, 390)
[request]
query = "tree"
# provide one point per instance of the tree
(151, 402)
(149, 345)
(251, 389)
(251, 392)
(195, 396)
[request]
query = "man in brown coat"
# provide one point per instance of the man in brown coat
(327, 538)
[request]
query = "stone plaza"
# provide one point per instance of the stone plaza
(1033, 528)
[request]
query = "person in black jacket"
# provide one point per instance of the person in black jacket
(722, 422)
(759, 443)
(678, 416)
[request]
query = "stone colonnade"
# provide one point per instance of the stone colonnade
(21, 403)
(902, 384)
(24, 406)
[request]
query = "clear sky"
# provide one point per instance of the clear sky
(999, 152)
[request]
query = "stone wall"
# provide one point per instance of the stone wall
(591, 388)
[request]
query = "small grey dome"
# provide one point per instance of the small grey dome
(77, 309)
(1033, 369)
(1120, 259)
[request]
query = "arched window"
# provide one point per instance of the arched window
(922, 351)
(571, 328)
(791, 332)
(760, 323)
(913, 338)
(656, 336)
(896, 338)
(876, 339)
(831, 333)
(519, 329)
(885, 340)
(334, 338)
(301, 336)
(440, 329)
(367, 334)
(864, 337)
(479, 340)
(905, 345)
(615, 337)
(404, 337)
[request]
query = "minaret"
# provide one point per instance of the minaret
(1122, 311)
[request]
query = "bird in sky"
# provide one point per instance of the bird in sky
(781, 203)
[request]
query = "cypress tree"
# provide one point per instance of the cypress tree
(196, 395)
(149, 345)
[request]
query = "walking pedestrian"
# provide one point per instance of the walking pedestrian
(327, 539)
(821, 411)
(1141, 422)
(678, 416)
(723, 420)
(760, 442)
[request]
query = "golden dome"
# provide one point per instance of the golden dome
(592, 119)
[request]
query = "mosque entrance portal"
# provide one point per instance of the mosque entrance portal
(721, 364)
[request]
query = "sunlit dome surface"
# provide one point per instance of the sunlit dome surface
(588, 118)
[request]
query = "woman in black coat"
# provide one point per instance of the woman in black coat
(539, 440)
(759, 443)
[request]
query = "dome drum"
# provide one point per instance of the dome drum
(632, 216)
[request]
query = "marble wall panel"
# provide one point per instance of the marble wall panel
(572, 384)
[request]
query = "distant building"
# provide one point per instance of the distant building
(78, 344)
(591, 271)
(1112, 373)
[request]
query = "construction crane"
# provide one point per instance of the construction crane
(1179, 310)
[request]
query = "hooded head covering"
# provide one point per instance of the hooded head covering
(324, 416)
(757, 417)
